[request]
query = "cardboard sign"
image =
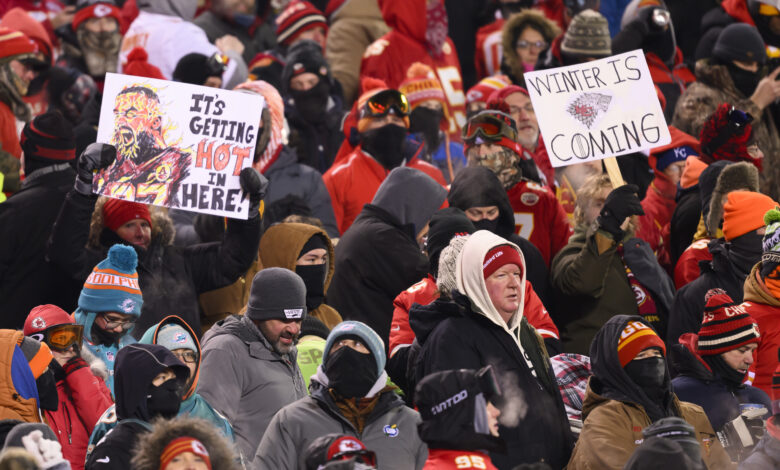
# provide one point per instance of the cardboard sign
(178, 145)
(598, 109)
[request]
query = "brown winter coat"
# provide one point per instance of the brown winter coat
(612, 430)
(512, 29)
(12, 405)
(281, 246)
(353, 26)
(713, 87)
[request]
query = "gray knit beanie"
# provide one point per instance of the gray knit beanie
(446, 282)
(276, 294)
(587, 36)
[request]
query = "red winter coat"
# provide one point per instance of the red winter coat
(658, 204)
(353, 183)
(542, 161)
(540, 218)
(441, 459)
(765, 310)
(425, 292)
(687, 268)
(672, 82)
(389, 57)
(487, 58)
(83, 399)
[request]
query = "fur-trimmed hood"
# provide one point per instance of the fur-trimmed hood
(163, 230)
(150, 446)
(512, 29)
(737, 176)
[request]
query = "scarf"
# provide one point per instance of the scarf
(646, 306)
(436, 31)
(357, 410)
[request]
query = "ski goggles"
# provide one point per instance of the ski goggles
(491, 126)
(61, 337)
(384, 103)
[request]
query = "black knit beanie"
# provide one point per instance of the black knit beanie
(739, 41)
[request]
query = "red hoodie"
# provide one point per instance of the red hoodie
(389, 57)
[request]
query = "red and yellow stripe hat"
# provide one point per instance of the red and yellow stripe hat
(635, 338)
(113, 284)
(183, 445)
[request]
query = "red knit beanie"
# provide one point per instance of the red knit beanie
(480, 92)
(15, 43)
(297, 17)
(421, 85)
(501, 94)
(500, 256)
(635, 338)
(138, 64)
(726, 325)
(181, 445)
(117, 212)
(97, 10)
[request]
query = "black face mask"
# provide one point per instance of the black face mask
(650, 375)
(351, 373)
(745, 251)
(744, 80)
(312, 103)
(47, 391)
(663, 45)
(729, 375)
(427, 121)
(314, 278)
(106, 338)
(386, 144)
(164, 400)
(486, 224)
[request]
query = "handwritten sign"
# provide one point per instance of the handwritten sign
(178, 145)
(604, 108)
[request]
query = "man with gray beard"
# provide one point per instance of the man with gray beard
(249, 369)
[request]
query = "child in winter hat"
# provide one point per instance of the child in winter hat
(109, 305)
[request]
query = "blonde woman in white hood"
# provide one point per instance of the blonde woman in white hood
(483, 324)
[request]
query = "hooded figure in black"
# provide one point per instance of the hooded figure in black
(480, 187)
(630, 389)
(139, 400)
(379, 256)
(458, 415)
(314, 113)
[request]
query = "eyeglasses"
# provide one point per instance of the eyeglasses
(114, 323)
(384, 103)
(187, 357)
(490, 125)
(523, 44)
(61, 337)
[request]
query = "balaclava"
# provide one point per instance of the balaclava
(742, 42)
(313, 275)
(99, 50)
(351, 373)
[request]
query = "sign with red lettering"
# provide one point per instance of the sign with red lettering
(599, 109)
(178, 145)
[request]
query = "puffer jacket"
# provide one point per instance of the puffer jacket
(257, 383)
(594, 287)
(354, 24)
(18, 391)
(713, 87)
(390, 430)
(83, 397)
(170, 277)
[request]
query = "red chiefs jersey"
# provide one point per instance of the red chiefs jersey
(687, 268)
(353, 183)
(489, 50)
(425, 292)
(389, 57)
(441, 459)
(760, 372)
(539, 218)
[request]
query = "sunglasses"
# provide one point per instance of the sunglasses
(61, 337)
(523, 44)
(384, 103)
(489, 126)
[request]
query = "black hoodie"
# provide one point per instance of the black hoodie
(611, 381)
(136, 367)
(480, 187)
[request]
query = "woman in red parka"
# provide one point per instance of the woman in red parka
(82, 394)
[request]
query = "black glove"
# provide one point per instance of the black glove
(621, 203)
(254, 185)
(94, 158)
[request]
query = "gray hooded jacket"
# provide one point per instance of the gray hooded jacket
(243, 378)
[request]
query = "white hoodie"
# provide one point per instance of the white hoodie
(471, 283)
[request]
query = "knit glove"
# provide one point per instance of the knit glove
(46, 452)
(622, 202)
(74, 364)
(94, 158)
(254, 186)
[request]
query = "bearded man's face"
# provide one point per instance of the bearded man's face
(137, 125)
